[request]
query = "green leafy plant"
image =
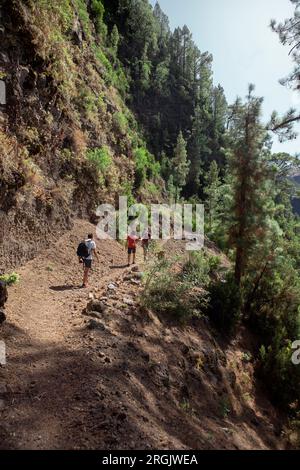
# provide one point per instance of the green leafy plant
(170, 290)
(225, 407)
(185, 405)
(10, 279)
(101, 158)
(145, 166)
(120, 122)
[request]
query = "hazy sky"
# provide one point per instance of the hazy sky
(244, 48)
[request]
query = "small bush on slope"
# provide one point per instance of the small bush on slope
(101, 158)
(177, 289)
(10, 279)
(225, 303)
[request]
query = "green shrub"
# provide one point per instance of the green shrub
(87, 101)
(170, 291)
(278, 372)
(98, 12)
(101, 158)
(102, 57)
(120, 122)
(272, 305)
(152, 189)
(225, 407)
(196, 270)
(126, 189)
(84, 17)
(145, 166)
(214, 264)
(10, 279)
(224, 307)
(164, 294)
(120, 81)
(116, 75)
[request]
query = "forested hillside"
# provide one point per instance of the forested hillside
(104, 99)
(171, 91)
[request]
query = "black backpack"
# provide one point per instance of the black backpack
(3, 293)
(82, 250)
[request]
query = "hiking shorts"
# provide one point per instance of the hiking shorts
(131, 250)
(87, 263)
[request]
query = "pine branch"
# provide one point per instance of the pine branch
(285, 123)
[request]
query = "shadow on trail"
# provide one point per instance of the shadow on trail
(69, 401)
(64, 288)
(121, 266)
(147, 394)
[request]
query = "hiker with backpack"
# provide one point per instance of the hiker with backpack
(131, 246)
(85, 252)
(3, 300)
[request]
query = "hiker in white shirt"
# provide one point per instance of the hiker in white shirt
(87, 261)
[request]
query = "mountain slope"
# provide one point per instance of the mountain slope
(68, 141)
(128, 380)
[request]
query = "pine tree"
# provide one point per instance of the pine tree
(180, 164)
(198, 153)
(171, 189)
(212, 193)
(219, 116)
(249, 166)
(162, 20)
(289, 34)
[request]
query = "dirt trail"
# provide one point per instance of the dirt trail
(134, 381)
(45, 363)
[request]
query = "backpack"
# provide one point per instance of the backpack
(3, 293)
(82, 250)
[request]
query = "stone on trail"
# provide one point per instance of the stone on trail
(94, 314)
(128, 301)
(135, 269)
(96, 325)
(96, 306)
(112, 287)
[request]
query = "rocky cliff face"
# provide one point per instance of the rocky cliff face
(66, 136)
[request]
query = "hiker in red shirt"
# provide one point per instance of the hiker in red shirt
(131, 246)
